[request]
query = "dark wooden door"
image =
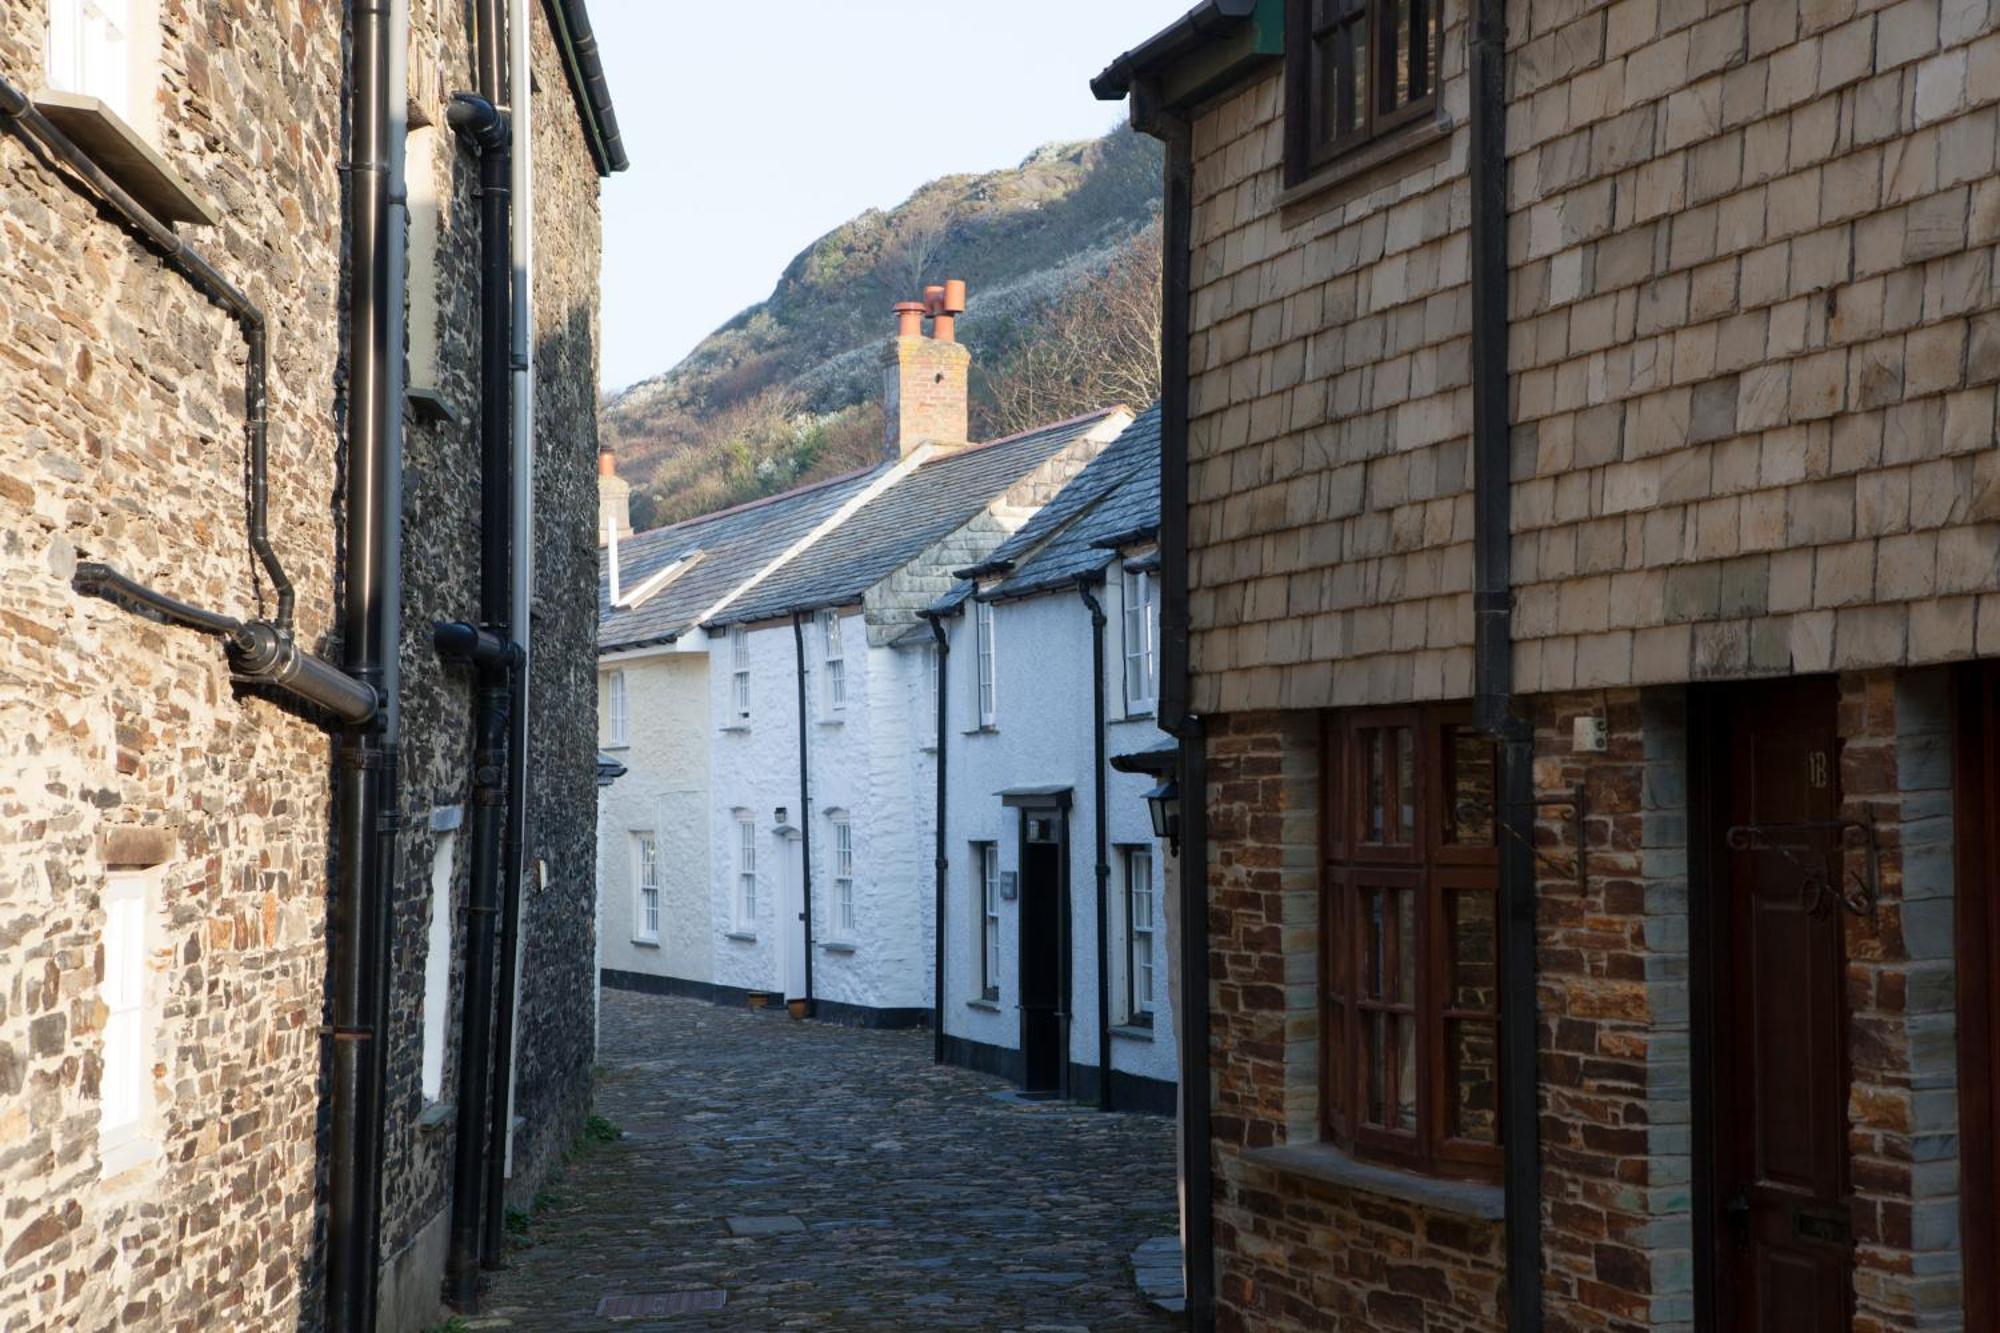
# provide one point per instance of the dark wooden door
(1041, 951)
(1977, 828)
(1783, 1230)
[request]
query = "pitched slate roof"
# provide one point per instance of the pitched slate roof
(733, 545)
(1116, 499)
(902, 522)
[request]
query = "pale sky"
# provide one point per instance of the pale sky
(754, 128)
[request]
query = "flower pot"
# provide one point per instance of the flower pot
(797, 1008)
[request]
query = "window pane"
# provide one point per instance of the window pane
(1375, 1072)
(1374, 942)
(1471, 786)
(1356, 101)
(1406, 946)
(1475, 972)
(1473, 1080)
(1406, 1075)
(1376, 786)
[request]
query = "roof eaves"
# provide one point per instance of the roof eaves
(1171, 43)
(581, 61)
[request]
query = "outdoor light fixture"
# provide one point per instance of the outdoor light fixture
(1164, 801)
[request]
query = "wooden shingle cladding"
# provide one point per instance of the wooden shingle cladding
(1753, 354)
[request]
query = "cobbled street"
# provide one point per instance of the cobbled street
(922, 1201)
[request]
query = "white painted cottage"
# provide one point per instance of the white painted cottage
(1054, 922)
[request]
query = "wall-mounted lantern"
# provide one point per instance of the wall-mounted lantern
(1164, 801)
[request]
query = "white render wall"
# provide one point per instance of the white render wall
(1042, 651)
(664, 792)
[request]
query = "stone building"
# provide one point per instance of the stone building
(173, 888)
(1579, 557)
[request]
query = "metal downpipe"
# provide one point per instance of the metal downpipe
(370, 628)
(500, 1135)
(1097, 764)
(1493, 665)
(805, 810)
(940, 862)
(477, 119)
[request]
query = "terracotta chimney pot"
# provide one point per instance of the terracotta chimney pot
(909, 319)
(954, 296)
(607, 463)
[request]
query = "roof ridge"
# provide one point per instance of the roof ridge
(1020, 435)
(757, 503)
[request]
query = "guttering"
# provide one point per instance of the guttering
(478, 120)
(1169, 44)
(584, 65)
(805, 813)
(500, 1132)
(1097, 748)
(1493, 664)
(940, 862)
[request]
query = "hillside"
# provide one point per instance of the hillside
(787, 390)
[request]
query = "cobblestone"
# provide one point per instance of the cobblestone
(925, 1201)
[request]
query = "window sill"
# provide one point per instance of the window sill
(1138, 715)
(833, 722)
(990, 1005)
(839, 946)
(128, 1151)
(1328, 1164)
(734, 726)
(616, 745)
(1308, 195)
(436, 1115)
(645, 943)
(429, 405)
(988, 729)
(741, 936)
(1133, 1031)
(125, 157)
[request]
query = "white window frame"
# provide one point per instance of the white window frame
(836, 661)
(1142, 642)
(1142, 952)
(988, 699)
(437, 966)
(989, 919)
(843, 875)
(739, 676)
(645, 887)
(93, 50)
(131, 1022)
(618, 709)
(745, 895)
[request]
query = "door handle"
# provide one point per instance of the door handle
(1737, 1210)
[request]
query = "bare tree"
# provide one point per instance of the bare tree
(1095, 344)
(925, 225)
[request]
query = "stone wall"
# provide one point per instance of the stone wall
(125, 743)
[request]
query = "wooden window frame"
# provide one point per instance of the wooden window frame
(989, 919)
(1310, 145)
(1435, 868)
(647, 908)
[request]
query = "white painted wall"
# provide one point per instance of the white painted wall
(1042, 650)
(665, 792)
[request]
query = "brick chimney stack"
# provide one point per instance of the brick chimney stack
(924, 378)
(614, 498)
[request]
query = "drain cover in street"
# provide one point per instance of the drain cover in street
(764, 1226)
(662, 1303)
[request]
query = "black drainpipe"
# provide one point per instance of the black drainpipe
(1197, 1162)
(1493, 663)
(1083, 582)
(940, 863)
(805, 811)
(478, 120)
